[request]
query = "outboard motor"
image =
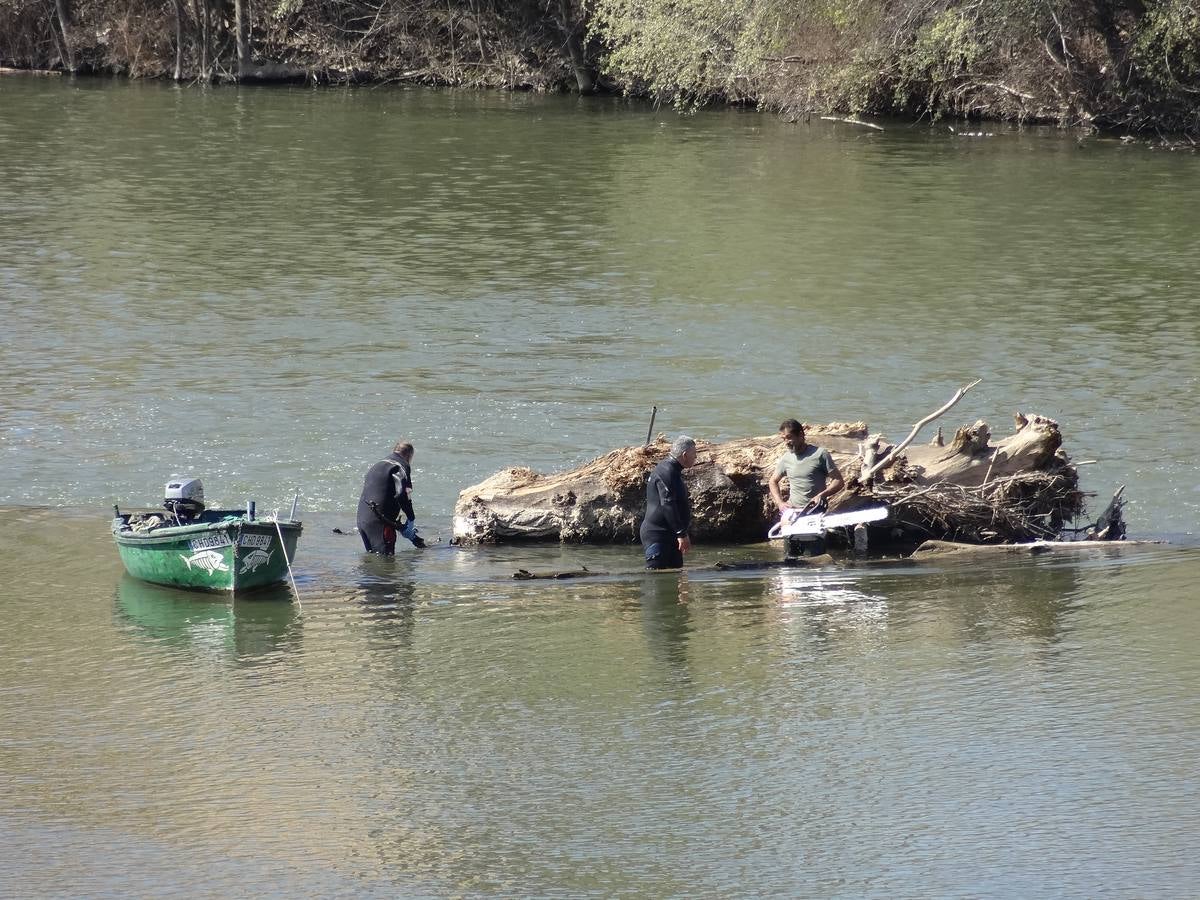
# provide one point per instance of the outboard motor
(184, 497)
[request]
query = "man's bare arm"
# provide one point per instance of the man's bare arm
(833, 484)
(776, 493)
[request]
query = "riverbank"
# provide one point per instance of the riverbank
(1129, 68)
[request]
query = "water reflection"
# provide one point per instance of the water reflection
(385, 592)
(667, 619)
(246, 630)
(963, 603)
(827, 603)
(1029, 599)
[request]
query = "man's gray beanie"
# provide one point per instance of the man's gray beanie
(682, 445)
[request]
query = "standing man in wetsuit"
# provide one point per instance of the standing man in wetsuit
(387, 492)
(813, 478)
(664, 530)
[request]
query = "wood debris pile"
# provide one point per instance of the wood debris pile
(1019, 488)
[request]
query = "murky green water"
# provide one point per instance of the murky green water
(267, 288)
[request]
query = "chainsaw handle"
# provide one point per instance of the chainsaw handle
(788, 516)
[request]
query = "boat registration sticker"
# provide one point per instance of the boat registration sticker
(262, 541)
(209, 541)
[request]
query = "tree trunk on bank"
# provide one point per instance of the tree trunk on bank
(1021, 488)
(206, 43)
(241, 17)
(200, 10)
(63, 10)
(179, 14)
(585, 72)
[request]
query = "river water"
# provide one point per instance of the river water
(266, 288)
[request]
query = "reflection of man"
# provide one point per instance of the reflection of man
(386, 591)
(664, 530)
(813, 478)
(666, 623)
(387, 492)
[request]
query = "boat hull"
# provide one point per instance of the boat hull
(233, 555)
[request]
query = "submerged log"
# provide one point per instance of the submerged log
(6, 70)
(271, 73)
(802, 562)
(931, 549)
(1020, 488)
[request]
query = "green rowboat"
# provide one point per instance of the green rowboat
(218, 550)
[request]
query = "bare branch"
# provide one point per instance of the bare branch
(1004, 87)
(866, 474)
(850, 121)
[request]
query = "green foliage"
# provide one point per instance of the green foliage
(941, 51)
(949, 46)
(1167, 46)
(282, 9)
(688, 52)
(675, 50)
(819, 53)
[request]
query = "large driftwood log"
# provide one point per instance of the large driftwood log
(602, 501)
(1020, 488)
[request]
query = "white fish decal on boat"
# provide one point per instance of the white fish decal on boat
(253, 560)
(208, 560)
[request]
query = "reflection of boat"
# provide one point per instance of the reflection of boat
(170, 616)
(188, 546)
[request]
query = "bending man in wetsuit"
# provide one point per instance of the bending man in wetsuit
(387, 492)
(664, 530)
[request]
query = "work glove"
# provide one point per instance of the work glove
(418, 541)
(409, 529)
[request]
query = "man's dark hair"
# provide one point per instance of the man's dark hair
(404, 448)
(791, 426)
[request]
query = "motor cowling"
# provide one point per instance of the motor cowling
(184, 496)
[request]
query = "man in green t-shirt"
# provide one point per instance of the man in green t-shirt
(812, 476)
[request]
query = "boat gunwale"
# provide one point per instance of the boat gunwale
(166, 533)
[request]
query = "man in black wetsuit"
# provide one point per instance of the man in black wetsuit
(664, 530)
(387, 492)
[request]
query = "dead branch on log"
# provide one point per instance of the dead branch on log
(1111, 524)
(988, 474)
(866, 474)
(1024, 507)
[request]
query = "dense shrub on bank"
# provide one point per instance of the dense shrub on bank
(483, 43)
(1129, 64)
(1122, 64)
